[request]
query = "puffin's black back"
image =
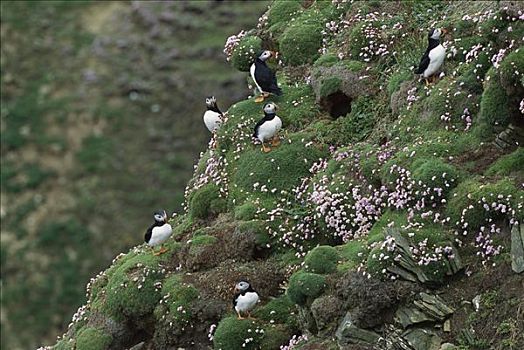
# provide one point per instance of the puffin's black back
(149, 231)
(424, 61)
(266, 78)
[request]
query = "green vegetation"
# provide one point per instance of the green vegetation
(304, 287)
(206, 201)
(509, 164)
(281, 13)
(330, 86)
(322, 260)
(246, 52)
(352, 253)
(300, 43)
(280, 310)
(131, 290)
(280, 169)
(232, 333)
(93, 339)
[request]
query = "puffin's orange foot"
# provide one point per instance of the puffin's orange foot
(161, 251)
(276, 141)
(265, 149)
(259, 98)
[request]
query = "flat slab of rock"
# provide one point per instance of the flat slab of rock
(422, 339)
(517, 248)
(426, 308)
(348, 333)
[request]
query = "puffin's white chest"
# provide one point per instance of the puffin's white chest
(252, 71)
(436, 58)
(212, 120)
(160, 234)
(269, 129)
(246, 302)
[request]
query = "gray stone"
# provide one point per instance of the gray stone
(422, 339)
(408, 316)
(348, 333)
(426, 308)
(408, 269)
(448, 346)
(517, 248)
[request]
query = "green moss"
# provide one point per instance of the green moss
(297, 106)
(326, 60)
(322, 260)
(397, 79)
(353, 127)
(231, 334)
(177, 300)
(470, 193)
(201, 241)
(281, 13)
(280, 169)
(245, 53)
(512, 63)
(131, 291)
(64, 344)
(279, 310)
(374, 265)
(259, 229)
(206, 201)
(352, 65)
(93, 339)
(274, 337)
(396, 218)
(494, 103)
(246, 211)
(329, 86)
(353, 253)
(300, 42)
(509, 164)
(304, 286)
(435, 173)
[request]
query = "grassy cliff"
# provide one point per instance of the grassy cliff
(388, 215)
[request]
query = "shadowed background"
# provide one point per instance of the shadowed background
(101, 108)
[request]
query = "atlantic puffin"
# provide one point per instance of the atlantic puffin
(433, 58)
(213, 117)
(268, 127)
(264, 78)
(158, 232)
(245, 299)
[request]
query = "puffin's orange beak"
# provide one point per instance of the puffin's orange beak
(237, 290)
(444, 31)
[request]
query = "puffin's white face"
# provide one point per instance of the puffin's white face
(265, 55)
(242, 286)
(435, 33)
(270, 108)
(211, 101)
(161, 216)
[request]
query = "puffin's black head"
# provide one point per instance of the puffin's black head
(435, 33)
(270, 108)
(160, 216)
(264, 55)
(211, 101)
(242, 286)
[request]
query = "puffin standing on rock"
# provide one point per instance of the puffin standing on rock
(158, 232)
(264, 78)
(245, 299)
(268, 127)
(213, 117)
(433, 58)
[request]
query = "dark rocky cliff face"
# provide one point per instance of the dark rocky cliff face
(388, 217)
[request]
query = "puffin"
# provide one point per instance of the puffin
(433, 58)
(245, 298)
(264, 78)
(158, 232)
(213, 117)
(268, 127)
